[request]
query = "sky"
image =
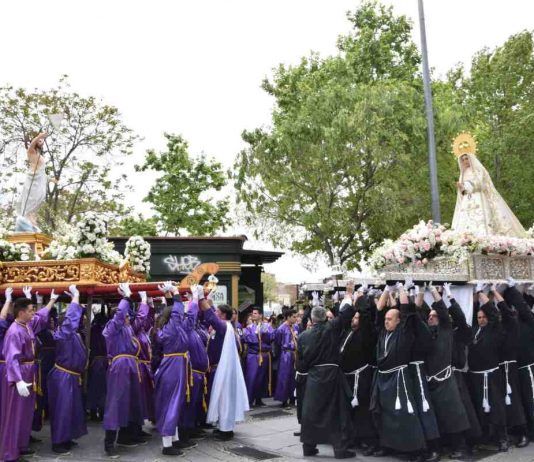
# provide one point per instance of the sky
(195, 67)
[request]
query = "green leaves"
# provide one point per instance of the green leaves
(187, 195)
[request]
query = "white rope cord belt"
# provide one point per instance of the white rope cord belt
(441, 376)
(356, 373)
(506, 364)
(529, 367)
(424, 402)
(485, 400)
(400, 371)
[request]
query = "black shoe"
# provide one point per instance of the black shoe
(523, 442)
(145, 435)
(127, 442)
(310, 452)
(458, 454)
(259, 403)
(33, 439)
(432, 456)
(369, 451)
(296, 433)
(71, 444)
(60, 449)
(381, 452)
(197, 434)
(184, 444)
(503, 446)
(172, 451)
(346, 454)
(111, 452)
(224, 436)
(27, 452)
(207, 426)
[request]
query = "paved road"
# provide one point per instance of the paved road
(266, 429)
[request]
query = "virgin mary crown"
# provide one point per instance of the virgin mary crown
(464, 143)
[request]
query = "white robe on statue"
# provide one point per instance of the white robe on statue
(228, 399)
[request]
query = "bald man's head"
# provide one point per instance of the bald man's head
(392, 319)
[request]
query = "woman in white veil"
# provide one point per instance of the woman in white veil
(480, 209)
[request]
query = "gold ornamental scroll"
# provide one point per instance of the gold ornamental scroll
(195, 276)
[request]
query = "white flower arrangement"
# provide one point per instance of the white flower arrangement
(15, 252)
(137, 252)
(428, 240)
(87, 239)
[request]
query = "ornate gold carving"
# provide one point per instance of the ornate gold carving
(196, 275)
(47, 273)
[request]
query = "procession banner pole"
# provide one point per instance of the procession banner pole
(436, 213)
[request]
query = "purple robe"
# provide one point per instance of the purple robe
(4, 326)
(67, 414)
(286, 338)
(214, 343)
(98, 367)
(258, 363)
(123, 394)
(171, 378)
(195, 409)
(17, 412)
(141, 325)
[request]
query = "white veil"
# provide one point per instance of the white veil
(500, 220)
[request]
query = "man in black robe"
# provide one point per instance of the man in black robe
(522, 341)
(444, 393)
(462, 337)
(485, 379)
(326, 409)
(358, 362)
(392, 401)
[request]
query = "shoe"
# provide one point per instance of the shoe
(458, 454)
(224, 436)
(432, 456)
(284, 404)
(207, 426)
(184, 444)
(112, 452)
(127, 442)
(503, 446)
(172, 451)
(145, 435)
(310, 452)
(369, 451)
(27, 452)
(346, 454)
(71, 444)
(33, 439)
(197, 434)
(523, 442)
(259, 403)
(60, 449)
(380, 452)
(296, 433)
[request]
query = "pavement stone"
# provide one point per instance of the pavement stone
(270, 434)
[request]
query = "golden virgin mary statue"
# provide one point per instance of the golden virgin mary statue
(480, 209)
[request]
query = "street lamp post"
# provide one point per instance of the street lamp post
(436, 213)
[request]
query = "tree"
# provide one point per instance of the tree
(80, 154)
(270, 293)
(136, 226)
(183, 197)
(340, 168)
